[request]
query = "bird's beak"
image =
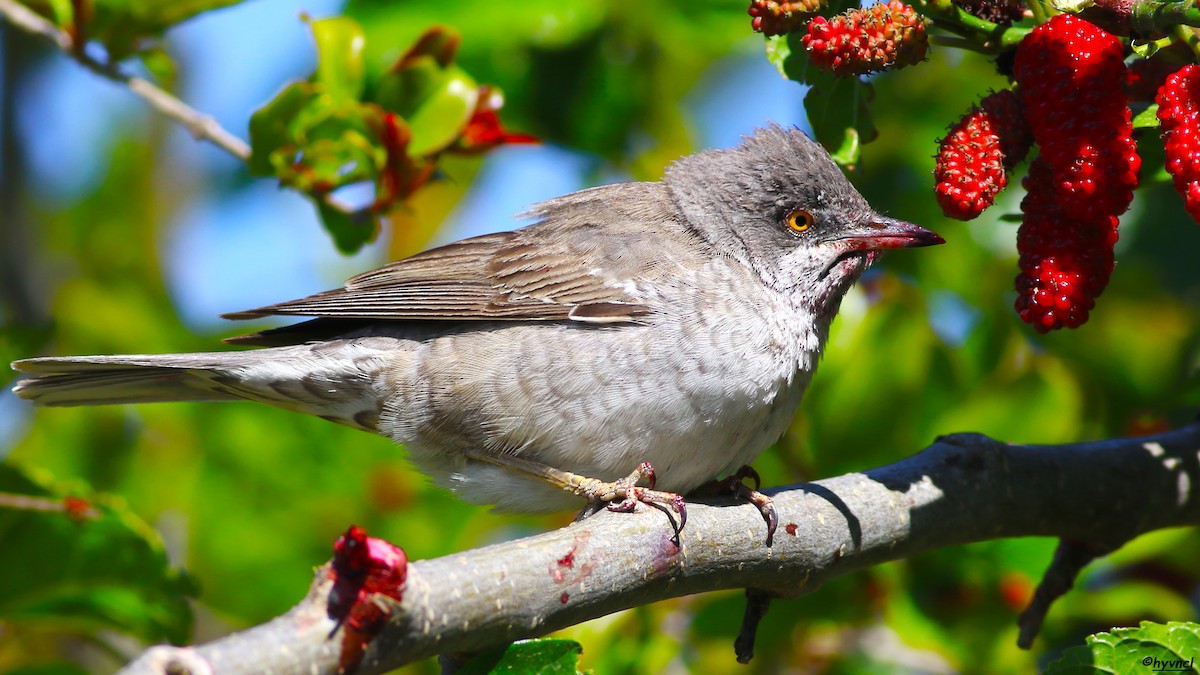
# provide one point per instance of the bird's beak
(883, 233)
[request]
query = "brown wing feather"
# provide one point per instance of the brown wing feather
(547, 272)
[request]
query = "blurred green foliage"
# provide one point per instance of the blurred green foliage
(248, 499)
(337, 130)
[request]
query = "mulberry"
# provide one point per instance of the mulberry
(973, 158)
(1179, 119)
(1065, 261)
(1071, 76)
(867, 40)
(772, 17)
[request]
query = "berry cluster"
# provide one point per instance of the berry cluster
(1179, 119)
(976, 154)
(1071, 75)
(772, 17)
(867, 40)
(1072, 95)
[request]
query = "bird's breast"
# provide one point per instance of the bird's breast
(701, 387)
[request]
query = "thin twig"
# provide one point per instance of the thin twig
(757, 604)
(201, 126)
(1069, 560)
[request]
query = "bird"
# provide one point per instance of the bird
(636, 342)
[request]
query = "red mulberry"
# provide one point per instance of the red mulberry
(1071, 77)
(867, 40)
(975, 155)
(1179, 118)
(1065, 261)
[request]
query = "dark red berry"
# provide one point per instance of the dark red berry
(1147, 76)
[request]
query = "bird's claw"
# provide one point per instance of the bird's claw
(625, 494)
(735, 483)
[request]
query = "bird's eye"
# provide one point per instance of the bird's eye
(800, 220)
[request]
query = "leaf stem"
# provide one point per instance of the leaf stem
(987, 37)
(1040, 15)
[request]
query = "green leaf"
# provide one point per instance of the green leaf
(62, 13)
(1147, 119)
(161, 66)
(271, 126)
(107, 571)
(419, 73)
(786, 53)
(546, 656)
(340, 44)
(349, 230)
(1149, 648)
(841, 121)
(443, 114)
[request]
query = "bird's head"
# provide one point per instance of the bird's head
(778, 204)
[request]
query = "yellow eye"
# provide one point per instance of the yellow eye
(800, 220)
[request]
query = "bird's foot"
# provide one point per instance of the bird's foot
(621, 495)
(735, 484)
(629, 493)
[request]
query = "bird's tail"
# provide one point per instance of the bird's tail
(334, 379)
(142, 378)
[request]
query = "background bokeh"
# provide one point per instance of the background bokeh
(120, 233)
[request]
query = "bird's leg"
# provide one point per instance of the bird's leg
(735, 483)
(594, 490)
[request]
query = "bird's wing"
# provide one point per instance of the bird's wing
(580, 263)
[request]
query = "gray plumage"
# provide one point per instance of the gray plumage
(676, 322)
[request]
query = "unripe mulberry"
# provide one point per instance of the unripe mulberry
(975, 154)
(867, 40)
(1179, 119)
(772, 17)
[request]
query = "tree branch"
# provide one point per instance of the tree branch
(201, 126)
(964, 488)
